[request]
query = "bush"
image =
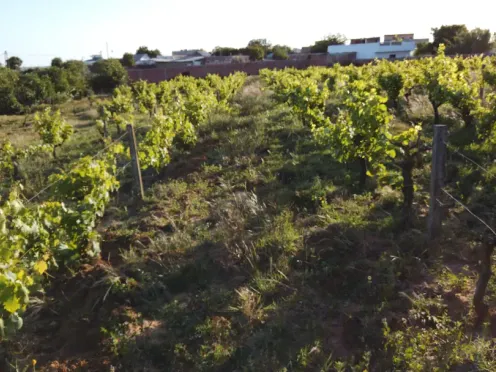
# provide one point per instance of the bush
(108, 74)
(280, 53)
(256, 53)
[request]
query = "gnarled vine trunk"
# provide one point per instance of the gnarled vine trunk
(363, 172)
(484, 276)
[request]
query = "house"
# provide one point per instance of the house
(94, 58)
(371, 48)
(164, 62)
(143, 59)
(185, 53)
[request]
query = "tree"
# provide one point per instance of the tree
(226, 51)
(424, 48)
(477, 41)
(14, 63)
(78, 77)
(8, 101)
(260, 42)
(33, 89)
(451, 36)
(321, 46)
(151, 53)
(279, 52)
(127, 60)
(107, 75)
(57, 62)
(256, 52)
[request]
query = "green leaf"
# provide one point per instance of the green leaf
(40, 267)
(12, 304)
(391, 153)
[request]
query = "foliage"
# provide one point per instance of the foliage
(361, 129)
(52, 128)
(14, 63)
(107, 75)
(320, 46)
(256, 52)
(35, 239)
(127, 60)
(152, 53)
(457, 39)
(144, 94)
(57, 62)
(116, 111)
(280, 52)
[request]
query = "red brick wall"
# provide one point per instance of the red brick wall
(155, 75)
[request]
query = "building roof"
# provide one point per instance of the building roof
(177, 60)
(139, 57)
(162, 58)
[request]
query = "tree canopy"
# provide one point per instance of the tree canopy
(281, 52)
(152, 53)
(320, 46)
(256, 52)
(127, 60)
(107, 75)
(57, 62)
(458, 39)
(14, 63)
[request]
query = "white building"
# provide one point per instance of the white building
(394, 46)
(389, 50)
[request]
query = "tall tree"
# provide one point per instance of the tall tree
(14, 63)
(256, 52)
(320, 46)
(280, 52)
(127, 60)
(452, 36)
(478, 41)
(260, 42)
(107, 75)
(57, 62)
(152, 53)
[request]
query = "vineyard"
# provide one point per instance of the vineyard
(283, 222)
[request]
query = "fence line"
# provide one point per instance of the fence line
(92, 158)
(469, 211)
(467, 158)
(440, 145)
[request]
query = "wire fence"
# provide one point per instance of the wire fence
(119, 171)
(441, 151)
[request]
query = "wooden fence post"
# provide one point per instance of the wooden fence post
(133, 146)
(437, 179)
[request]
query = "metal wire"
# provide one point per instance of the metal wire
(469, 211)
(470, 160)
(92, 158)
(122, 169)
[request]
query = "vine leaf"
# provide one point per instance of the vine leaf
(12, 304)
(40, 267)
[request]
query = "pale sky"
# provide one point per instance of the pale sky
(38, 30)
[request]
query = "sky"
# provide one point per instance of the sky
(39, 30)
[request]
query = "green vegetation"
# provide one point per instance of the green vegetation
(320, 46)
(257, 247)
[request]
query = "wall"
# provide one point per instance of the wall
(398, 54)
(155, 75)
